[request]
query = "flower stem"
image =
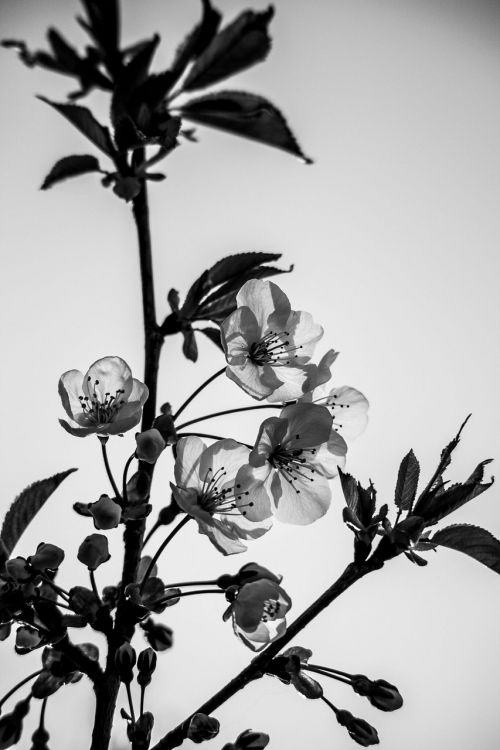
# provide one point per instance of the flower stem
(151, 532)
(19, 685)
(93, 584)
(329, 669)
(198, 390)
(125, 474)
(108, 468)
(258, 666)
(228, 411)
(130, 701)
(325, 673)
(329, 703)
(160, 549)
(189, 593)
(190, 583)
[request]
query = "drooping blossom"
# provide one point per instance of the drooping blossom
(258, 612)
(267, 344)
(206, 489)
(107, 400)
(288, 470)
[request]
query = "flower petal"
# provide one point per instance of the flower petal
(309, 425)
(349, 408)
(249, 377)
(304, 333)
(76, 431)
(187, 464)
(238, 332)
(271, 433)
(108, 375)
(139, 392)
(129, 416)
(268, 303)
(254, 500)
(70, 389)
(303, 502)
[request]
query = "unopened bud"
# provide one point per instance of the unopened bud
(249, 740)
(46, 557)
(359, 729)
(380, 693)
(146, 664)
(125, 661)
(201, 728)
(165, 426)
(106, 513)
(93, 551)
(150, 444)
(18, 569)
(11, 725)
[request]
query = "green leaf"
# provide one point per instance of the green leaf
(406, 486)
(70, 166)
(195, 43)
(436, 481)
(238, 46)
(83, 119)
(473, 541)
(248, 115)
(24, 509)
(435, 506)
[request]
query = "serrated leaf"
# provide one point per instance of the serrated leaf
(247, 115)
(350, 489)
(83, 119)
(473, 541)
(103, 24)
(436, 505)
(406, 486)
(196, 42)
(222, 302)
(238, 46)
(26, 506)
(235, 265)
(70, 166)
(445, 460)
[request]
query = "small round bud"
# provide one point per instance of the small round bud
(106, 513)
(202, 727)
(125, 661)
(18, 569)
(359, 729)
(93, 551)
(146, 664)
(46, 557)
(150, 444)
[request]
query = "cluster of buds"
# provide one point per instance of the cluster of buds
(292, 667)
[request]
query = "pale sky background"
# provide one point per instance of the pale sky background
(394, 234)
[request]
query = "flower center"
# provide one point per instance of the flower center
(294, 464)
(101, 412)
(274, 348)
(217, 499)
(270, 610)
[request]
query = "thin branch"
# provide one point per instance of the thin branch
(228, 411)
(258, 666)
(198, 390)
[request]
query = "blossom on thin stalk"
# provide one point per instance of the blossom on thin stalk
(258, 611)
(267, 344)
(288, 471)
(207, 490)
(107, 400)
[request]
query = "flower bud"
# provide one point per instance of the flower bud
(201, 728)
(18, 569)
(27, 639)
(249, 740)
(39, 739)
(125, 661)
(46, 557)
(84, 602)
(139, 733)
(159, 636)
(146, 664)
(165, 426)
(359, 729)
(5, 631)
(93, 551)
(11, 725)
(110, 596)
(150, 444)
(380, 693)
(106, 513)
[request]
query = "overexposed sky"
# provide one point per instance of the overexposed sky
(394, 235)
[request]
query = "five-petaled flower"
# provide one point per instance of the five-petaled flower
(267, 344)
(206, 489)
(258, 611)
(294, 456)
(107, 400)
